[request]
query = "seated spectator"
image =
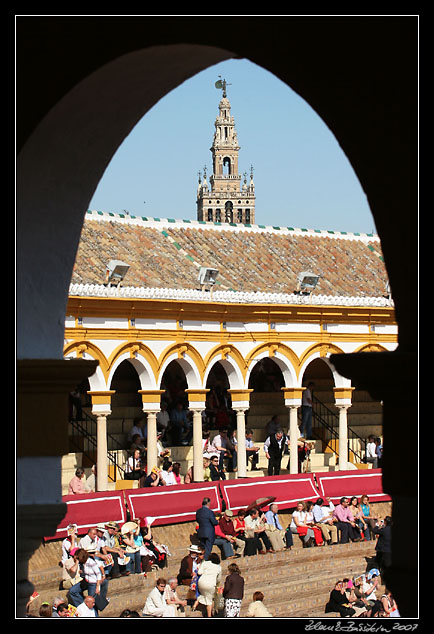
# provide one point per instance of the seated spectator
(154, 479)
(206, 444)
(160, 551)
(310, 521)
(324, 519)
(90, 541)
(177, 472)
(137, 443)
(255, 527)
(57, 601)
(226, 524)
(132, 540)
(134, 468)
(45, 610)
(86, 609)
(279, 538)
(369, 519)
(345, 522)
(300, 527)
(90, 484)
(139, 428)
(360, 608)
(187, 567)
(112, 547)
(273, 425)
(252, 544)
(62, 610)
(224, 542)
(216, 473)
(252, 450)
(338, 601)
(172, 597)
(389, 605)
(69, 542)
(156, 604)
(358, 516)
(92, 578)
(71, 574)
(76, 484)
(257, 607)
(167, 473)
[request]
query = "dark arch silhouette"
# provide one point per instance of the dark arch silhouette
(84, 82)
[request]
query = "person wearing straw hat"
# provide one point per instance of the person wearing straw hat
(186, 569)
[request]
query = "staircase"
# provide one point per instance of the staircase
(296, 583)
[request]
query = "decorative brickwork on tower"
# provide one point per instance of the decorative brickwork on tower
(225, 199)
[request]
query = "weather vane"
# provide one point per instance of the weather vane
(221, 85)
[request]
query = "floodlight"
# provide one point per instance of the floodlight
(116, 271)
(207, 278)
(306, 282)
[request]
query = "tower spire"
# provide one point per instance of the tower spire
(224, 200)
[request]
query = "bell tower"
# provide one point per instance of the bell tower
(225, 199)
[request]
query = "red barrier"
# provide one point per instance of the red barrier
(179, 503)
(349, 483)
(172, 504)
(89, 509)
(287, 489)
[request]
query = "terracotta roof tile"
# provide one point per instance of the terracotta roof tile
(259, 260)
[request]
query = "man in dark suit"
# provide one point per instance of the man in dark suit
(384, 543)
(274, 447)
(206, 530)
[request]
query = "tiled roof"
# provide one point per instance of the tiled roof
(167, 254)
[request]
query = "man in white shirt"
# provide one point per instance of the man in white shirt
(90, 541)
(323, 516)
(371, 452)
(87, 609)
(255, 523)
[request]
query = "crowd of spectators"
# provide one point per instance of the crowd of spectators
(108, 551)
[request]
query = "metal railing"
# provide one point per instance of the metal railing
(327, 422)
(83, 438)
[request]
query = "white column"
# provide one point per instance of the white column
(101, 451)
(343, 437)
(241, 443)
(293, 438)
(152, 457)
(197, 445)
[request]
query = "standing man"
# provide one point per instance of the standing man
(306, 411)
(273, 447)
(207, 523)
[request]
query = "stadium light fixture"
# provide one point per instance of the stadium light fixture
(115, 272)
(306, 282)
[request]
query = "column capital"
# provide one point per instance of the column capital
(293, 396)
(240, 398)
(151, 400)
(101, 401)
(197, 398)
(343, 396)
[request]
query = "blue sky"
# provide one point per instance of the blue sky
(302, 177)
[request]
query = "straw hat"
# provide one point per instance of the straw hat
(129, 527)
